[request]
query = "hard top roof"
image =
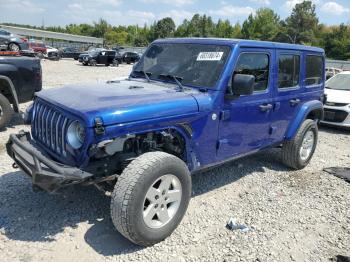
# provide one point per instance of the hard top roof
(240, 42)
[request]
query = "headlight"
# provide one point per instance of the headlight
(76, 134)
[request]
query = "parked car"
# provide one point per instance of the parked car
(12, 42)
(101, 56)
(20, 78)
(130, 57)
(337, 107)
(38, 47)
(188, 104)
(87, 53)
(52, 53)
(70, 52)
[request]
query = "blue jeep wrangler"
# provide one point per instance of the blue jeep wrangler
(188, 104)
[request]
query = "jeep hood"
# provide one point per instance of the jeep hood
(121, 101)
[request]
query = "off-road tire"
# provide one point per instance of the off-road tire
(129, 194)
(6, 111)
(291, 148)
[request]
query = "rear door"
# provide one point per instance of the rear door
(245, 122)
(102, 57)
(287, 92)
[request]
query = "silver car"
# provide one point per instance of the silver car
(12, 42)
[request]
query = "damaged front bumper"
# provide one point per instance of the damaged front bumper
(46, 173)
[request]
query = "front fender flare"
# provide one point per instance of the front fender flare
(301, 115)
(13, 92)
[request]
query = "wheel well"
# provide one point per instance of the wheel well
(316, 114)
(5, 90)
(115, 154)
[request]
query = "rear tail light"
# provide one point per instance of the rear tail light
(24, 40)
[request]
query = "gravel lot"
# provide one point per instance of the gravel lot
(293, 216)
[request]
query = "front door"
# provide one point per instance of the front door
(245, 125)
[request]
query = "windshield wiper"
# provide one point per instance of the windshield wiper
(144, 73)
(177, 79)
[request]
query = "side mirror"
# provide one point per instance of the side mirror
(242, 84)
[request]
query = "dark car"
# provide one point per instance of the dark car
(12, 42)
(20, 78)
(70, 52)
(101, 56)
(188, 105)
(130, 57)
(87, 53)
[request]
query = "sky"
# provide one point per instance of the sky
(127, 12)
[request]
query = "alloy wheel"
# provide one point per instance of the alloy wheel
(307, 145)
(162, 201)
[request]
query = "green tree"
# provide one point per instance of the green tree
(301, 25)
(100, 28)
(164, 28)
(264, 25)
(337, 43)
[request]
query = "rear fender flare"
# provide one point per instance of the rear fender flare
(13, 92)
(301, 115)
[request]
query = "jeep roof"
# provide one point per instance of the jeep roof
(240, 42)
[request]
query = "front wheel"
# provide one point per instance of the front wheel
(151, 197)
(14, 47)
(298, 152)
(5, 111)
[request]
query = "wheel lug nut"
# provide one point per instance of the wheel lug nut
(156, 197)
(163, 193)
(156, 206)
(162, 206)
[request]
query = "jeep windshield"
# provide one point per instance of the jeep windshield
(196, 65)
(339, 82)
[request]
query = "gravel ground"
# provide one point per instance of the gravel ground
(293, 215)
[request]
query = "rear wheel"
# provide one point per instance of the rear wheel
(298, 152)
(93, 62)
(151, 197)
(14, 47)
(5, 111)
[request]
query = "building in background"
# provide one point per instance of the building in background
(56, 39)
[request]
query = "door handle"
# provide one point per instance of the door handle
(265, 107)
(294, 102)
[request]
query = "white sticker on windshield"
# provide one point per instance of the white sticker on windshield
(209, 56)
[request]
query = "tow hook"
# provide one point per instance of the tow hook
(15, 166)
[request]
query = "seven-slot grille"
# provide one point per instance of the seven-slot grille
(49, 127)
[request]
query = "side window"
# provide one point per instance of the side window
(256, 64)
(314, 70)
(288, 71)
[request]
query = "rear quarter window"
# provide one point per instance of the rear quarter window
(314, 70)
